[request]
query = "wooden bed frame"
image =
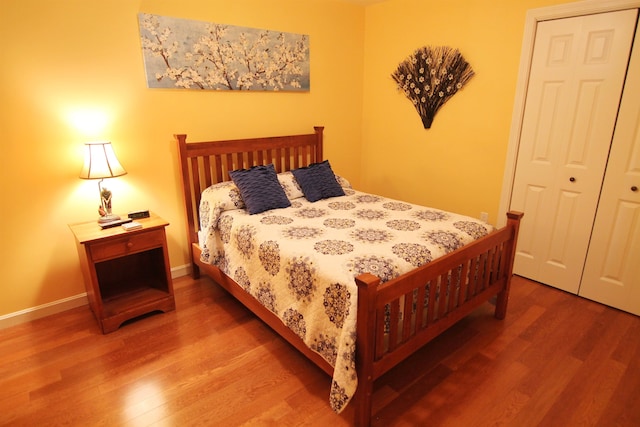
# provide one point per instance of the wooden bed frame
(472, 274)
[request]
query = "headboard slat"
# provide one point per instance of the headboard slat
(285, 155)
(207, 171)
(228, 167)
(218, 165)
(195, 173)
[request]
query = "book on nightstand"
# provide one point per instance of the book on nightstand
(133, 225)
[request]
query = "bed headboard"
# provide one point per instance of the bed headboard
(205, 163)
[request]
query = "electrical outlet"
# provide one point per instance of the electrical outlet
(484, 216)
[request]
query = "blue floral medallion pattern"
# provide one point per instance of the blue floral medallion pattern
(447, 240)
(333, 247)
(295, 321)
(301, 278)
(336, 303)
(473, 229)
(269, 254)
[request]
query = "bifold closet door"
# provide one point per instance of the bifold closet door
(612, 271)
(577, 74)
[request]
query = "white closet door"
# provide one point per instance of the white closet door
(612, 271)
(577, 73)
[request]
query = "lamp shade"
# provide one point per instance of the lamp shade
(100, 161)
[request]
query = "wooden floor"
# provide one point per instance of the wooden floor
(557, 360)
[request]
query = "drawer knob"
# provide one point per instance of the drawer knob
(129, 245)
(634, 188)
(572, 179)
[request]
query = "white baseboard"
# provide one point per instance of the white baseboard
(37, 312)
(33, 313)
(181, 270)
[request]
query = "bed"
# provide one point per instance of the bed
(305, 267)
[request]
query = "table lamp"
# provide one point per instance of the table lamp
(100, 162)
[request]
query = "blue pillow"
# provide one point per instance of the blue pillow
(260, 189)
(318, 181)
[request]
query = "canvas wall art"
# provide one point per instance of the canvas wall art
(188, 54)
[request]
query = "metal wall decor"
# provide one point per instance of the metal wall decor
(182, 53)
(430, 76)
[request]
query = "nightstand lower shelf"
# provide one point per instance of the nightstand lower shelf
(129, 305)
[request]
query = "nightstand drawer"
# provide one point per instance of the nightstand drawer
(127, 244)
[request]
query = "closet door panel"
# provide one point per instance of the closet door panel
(612, 270)
(577, 74)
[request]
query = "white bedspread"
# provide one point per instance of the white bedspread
(300, 262)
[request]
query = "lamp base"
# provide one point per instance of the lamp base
(108, 218)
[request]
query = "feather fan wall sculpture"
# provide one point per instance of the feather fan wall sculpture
(430, 77)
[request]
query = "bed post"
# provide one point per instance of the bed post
(188, 201)
(513, 221)
(365, 341)
(319, 130)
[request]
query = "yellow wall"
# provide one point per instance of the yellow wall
(68, 61)
(458, 163)
(65, 60)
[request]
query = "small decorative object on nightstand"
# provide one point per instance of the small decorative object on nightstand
(126, 273)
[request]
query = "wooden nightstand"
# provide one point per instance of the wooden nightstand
(126, 273)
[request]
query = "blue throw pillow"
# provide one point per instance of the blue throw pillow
(260, 189)
(318, 181)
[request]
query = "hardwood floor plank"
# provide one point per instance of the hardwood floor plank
(555, 360)
(585, 397)
(622, 409)
(592, 388)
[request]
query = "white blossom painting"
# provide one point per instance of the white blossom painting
(188, 54)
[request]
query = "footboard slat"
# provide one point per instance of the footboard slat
(443, 289)
(407, 318)
(432, 286)
(394, 314)
(486, 267)
(420, 308)
(503, 260)
(455, 288)
(480, 273)
(498, 261)
(464, 284)
(473, 278)
(379, 334)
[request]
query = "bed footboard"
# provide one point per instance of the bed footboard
(398, 317)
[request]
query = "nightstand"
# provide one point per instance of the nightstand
(126, 273)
